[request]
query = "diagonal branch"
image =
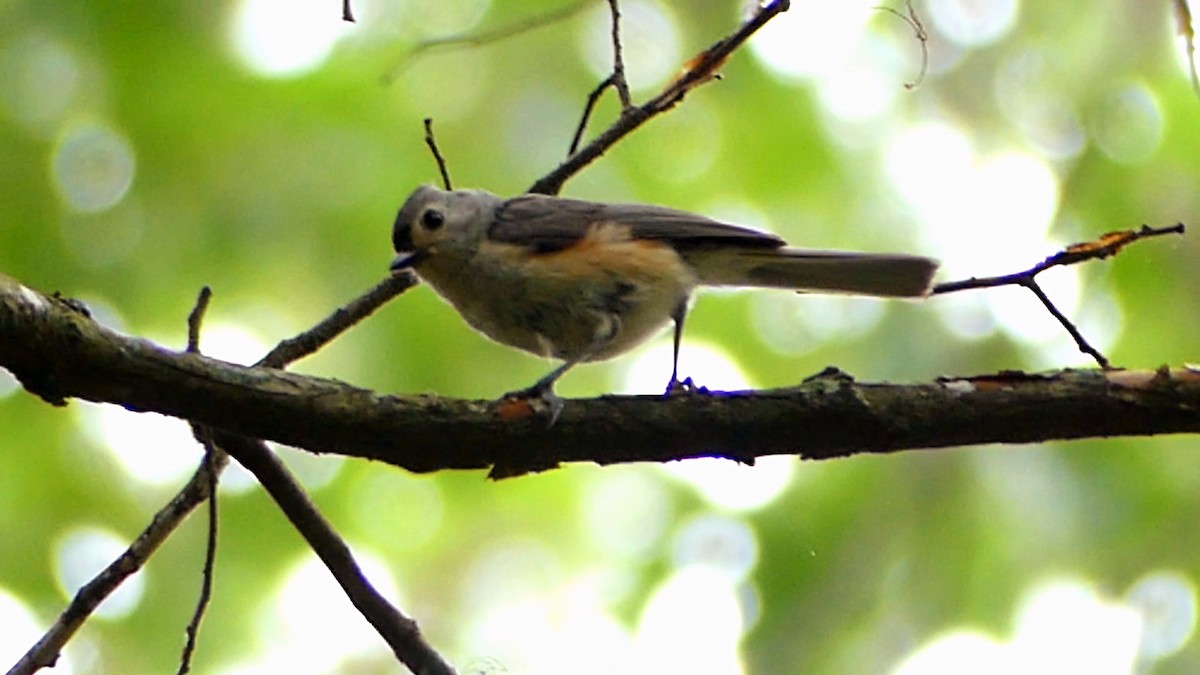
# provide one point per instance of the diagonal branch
(399, 631)
(342, 319)
(697, 71)
(592, 99)
(44, 653)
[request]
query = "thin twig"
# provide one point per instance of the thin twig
(914, 21)
(485, 37)
(400, 632)
(1080, 341)
(431, 141)
(1107, 245)
(616, 80)
(213, 457)
(295, 348)
(347, 12)
(1104, 247)
(697, 71)
(618, 71)
(587, 113)
(45, 652)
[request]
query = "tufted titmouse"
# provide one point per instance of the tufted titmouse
(584, 281)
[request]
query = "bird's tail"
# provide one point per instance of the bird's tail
(885, 275)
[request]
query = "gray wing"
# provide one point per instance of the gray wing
(553, 223)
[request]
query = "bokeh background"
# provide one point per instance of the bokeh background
(262, 147)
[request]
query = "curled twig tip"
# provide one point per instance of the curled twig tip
(913, 19)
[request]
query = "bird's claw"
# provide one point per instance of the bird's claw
(684, 386)
(537, 400)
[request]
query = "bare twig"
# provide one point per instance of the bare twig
(618, 71)
(1104, 247)
(431, 141)
(295, 348)
(196, 317)
(213, 457)
(45, 652)
(1107, 245)
(696, 71)
(587, 114)
(914, 21)
(347, 12)
(486, 37)
(400, 632)
(616, 80)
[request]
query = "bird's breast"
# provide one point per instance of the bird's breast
(594, 299)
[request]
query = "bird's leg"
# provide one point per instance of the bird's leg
(675, 385)
(543, 389)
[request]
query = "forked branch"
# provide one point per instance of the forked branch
(1107, 245)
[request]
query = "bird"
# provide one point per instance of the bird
(579, 281)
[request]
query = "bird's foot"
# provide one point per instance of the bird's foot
(538, 400)
(684, 386)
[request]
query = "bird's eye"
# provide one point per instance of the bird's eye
(432, 219)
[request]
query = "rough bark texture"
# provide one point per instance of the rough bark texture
(58, 352)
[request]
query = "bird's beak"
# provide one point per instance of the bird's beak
(405, 261)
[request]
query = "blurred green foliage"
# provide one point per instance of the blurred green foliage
(279, 190)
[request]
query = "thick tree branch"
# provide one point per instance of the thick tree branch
(59, 353)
